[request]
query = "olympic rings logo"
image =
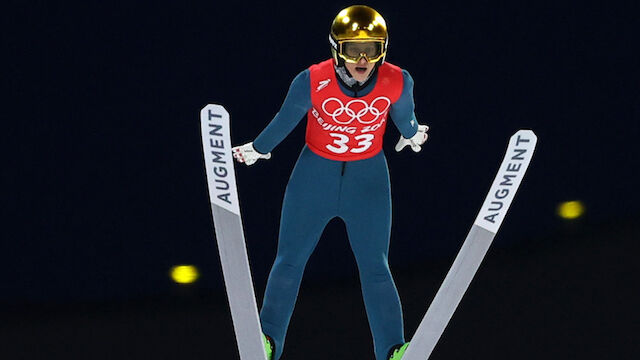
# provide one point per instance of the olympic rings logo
(356, 109)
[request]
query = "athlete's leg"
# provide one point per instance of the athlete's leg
(365, 207)
(310, 201)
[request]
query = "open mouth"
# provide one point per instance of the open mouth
(361, 70)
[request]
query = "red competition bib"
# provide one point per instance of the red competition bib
(343, 128)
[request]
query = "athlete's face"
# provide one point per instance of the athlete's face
(361, 70)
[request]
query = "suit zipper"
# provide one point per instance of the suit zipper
(344, 163)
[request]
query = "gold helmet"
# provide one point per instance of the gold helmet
(358, 32)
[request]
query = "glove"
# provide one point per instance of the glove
(248, 154)
(415, 141)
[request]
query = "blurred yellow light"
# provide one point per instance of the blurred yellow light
(570, 209)
(345, 20)
(184, 274)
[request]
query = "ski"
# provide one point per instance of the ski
(492, 213)
(223, 195)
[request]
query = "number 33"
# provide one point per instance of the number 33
(342, 140)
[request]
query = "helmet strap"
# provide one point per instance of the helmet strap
(345, 77)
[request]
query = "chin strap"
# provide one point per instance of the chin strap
(346, 77)
(348, 80)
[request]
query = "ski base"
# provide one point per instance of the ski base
(216, 142)
(492, 213)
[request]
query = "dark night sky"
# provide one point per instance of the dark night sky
(105, 187)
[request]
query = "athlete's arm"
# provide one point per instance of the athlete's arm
(403, 115)
(295, 106)
(402, 111)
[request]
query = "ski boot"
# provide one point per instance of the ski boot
(269, 346)
(397, 351)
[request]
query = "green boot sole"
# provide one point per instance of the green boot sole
(268, 346)
(397, 353)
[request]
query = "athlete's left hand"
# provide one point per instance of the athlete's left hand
(415, 141)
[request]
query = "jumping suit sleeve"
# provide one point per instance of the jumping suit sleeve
(402, 111)
(294, 108)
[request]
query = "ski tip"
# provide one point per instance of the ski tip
(214, 108)
(524, 136)
(525, 133)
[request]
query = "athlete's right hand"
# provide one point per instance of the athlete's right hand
(248, 154)
(416, 141)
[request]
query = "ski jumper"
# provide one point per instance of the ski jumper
(341, 172)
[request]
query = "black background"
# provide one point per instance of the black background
(105, 190)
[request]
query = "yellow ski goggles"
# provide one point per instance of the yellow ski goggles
(354, 50)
